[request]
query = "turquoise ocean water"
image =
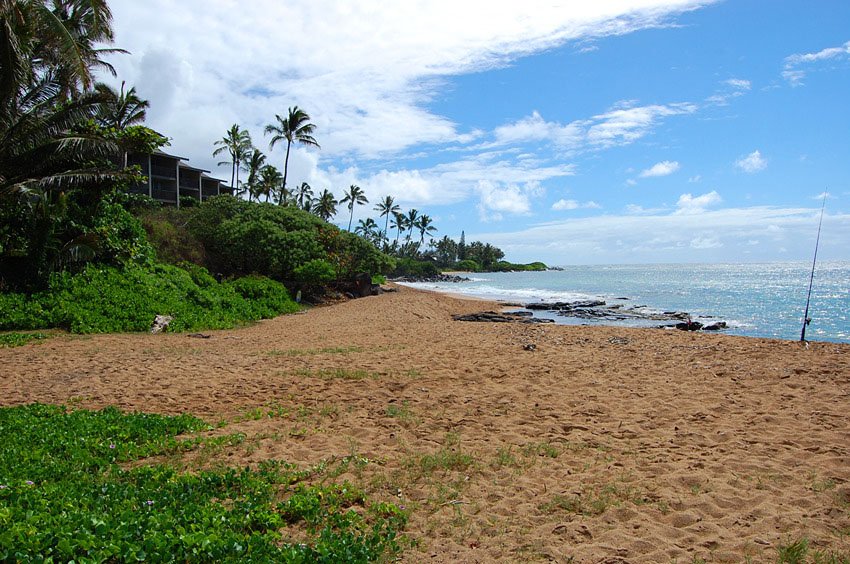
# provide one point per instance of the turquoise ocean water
(756, 300)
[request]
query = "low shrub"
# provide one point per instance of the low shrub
(411, 267)
(103, 299)
(468, 265)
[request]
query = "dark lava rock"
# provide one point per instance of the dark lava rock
(688, 326)
(435, 278)
(715, 326)
(562, 306)
(494, 317)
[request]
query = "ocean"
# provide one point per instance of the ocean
(755, 300)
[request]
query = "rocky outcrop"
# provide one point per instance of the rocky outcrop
(599, 310)
(452, 278)
(505, 317)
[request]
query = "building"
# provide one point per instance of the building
(169, 178)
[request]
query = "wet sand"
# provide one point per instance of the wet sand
(602, 445)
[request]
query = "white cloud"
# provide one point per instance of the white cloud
(513, 199)
(664, 168)
(739, 84)
(689, 204)
(694, 179)
(752, 163)
(625, 125)
(364, 71)
(705, 243)
(732, 88)
(793, 72)
(766, 233)
(621, 125)
(563, 204)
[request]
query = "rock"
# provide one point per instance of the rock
(717, 326)
(199, 335)
(688, 326)
(160, 323)
(495, 317)
(562, 306)
(432, 279)
(529, 347)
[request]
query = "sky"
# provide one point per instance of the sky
(573, 132)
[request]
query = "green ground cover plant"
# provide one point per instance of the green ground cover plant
(102, 299)
(67, 493)
(19, 339)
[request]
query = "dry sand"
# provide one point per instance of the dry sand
(604, 444)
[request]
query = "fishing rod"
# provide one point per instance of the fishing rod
(806, 318)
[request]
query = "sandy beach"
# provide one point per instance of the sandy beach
(601, 445)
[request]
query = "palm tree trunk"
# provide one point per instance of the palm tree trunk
(351, 217)
(286, 163)
(386, 229)
(233, 172)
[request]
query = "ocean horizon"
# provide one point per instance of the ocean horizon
(753, 299)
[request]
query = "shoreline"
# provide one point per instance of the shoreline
(733, 296)
(601, 443)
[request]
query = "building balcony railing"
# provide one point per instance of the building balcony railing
(165, 171)
(164, 195)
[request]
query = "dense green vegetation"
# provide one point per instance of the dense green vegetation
(73, 255)
(67, 493)
(102, 299)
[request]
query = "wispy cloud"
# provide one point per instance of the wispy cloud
(664, 168)
(795, 67)
(750, 234)
(752, 163)
(731, 88)
(621, 125)
(562, 205)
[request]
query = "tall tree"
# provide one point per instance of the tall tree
(399, 224)
(88, 25)
(368, 229)
(325, 205)
(410, 221)
(294, 128)
(237, 144)
(253, 167)
(387, 207)
(271, 184)
(120, 109)
(425, 225)
(353, 197)
(304, 197)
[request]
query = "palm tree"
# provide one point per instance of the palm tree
(399, 224)
(120, 109)
(325, 205)
(354, 196)
(271, 183)
(368, 229)
(410, 221)
(237, 143)
(304, 197)
(253, 165)
(87, 23)
(387, 207)
(425, 226)
(296, 127)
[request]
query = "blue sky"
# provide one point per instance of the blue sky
(628, 131)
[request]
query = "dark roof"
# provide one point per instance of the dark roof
(201, 170)
(164, 154)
